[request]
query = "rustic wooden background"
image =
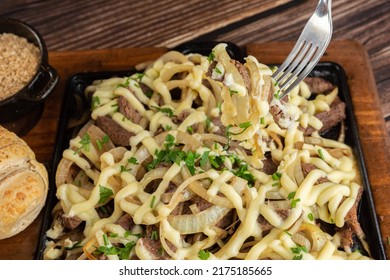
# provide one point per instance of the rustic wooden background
(69, 26)
(98, 24)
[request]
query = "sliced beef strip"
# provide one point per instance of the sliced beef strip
(330, 118)
(126, 109)
(70, 222)
(178, 119)
(146, 90)
(221, 130)
(277, 112)
(126, 221)
(153, 246)
(118, 135)
(352, 226)
(266, 226)
(269, 166)
(307, 167)
(211, 68)
(244, 73)
(319, 85)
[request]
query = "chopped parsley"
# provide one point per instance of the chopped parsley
(276, 176)
(203, 255)
(293, 201)
(277, 94)
(101, 142)
(166, 111)
(153, 201)
(297, 251)
(122, 252)
(218, 70)
(321, 154)
(211, 57)
(232, 92)
(310, 216)
(104, 193)
(132, 160)
(95, 102)
(154, 235)
(126, 83)
(85, 143)
(244, 127)
(76, 245)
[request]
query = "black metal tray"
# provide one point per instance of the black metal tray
(74, 102)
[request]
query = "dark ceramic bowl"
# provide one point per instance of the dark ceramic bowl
(41, 84)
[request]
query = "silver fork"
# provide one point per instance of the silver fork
(308, 50)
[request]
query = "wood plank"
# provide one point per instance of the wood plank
(353, 57)
(106, 24)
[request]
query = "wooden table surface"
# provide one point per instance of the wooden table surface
(106, 29)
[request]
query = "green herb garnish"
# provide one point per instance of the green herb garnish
(203, 255)
(103, 141)
(166, 111)
(104, 193)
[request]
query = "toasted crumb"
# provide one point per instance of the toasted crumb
(19, 60)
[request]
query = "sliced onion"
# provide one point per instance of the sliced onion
(188, 224)
(63, 172)
(89, 248)
(314, 235)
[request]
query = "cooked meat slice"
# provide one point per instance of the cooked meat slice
(266, 226)
(330, 118)
(126, 221)
(307, 167)
(219, 128)
(227, 220)
(152, 244)
(318, 85)
(269, 166)
(178, 119)
(118, 135)
(210, 70)
(126, 109)
(70, 222)
(244, 74)
(352, 226)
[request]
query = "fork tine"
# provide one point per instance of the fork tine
(298, 46)
(299, 67)
(305, 71)
(295, 61)
(308, 50)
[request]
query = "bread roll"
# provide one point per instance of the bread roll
(23, 184)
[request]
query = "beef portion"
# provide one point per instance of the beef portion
(178, 119)
(269, 166)
(330, 118)
(307, 167)
(126, 109)
(126, 221)
(318, 85)
(280, 117)
(352, 234)
(153, 245)
(70, 222)
(219, 128)
(244, 74)
(118, 135)
(266, 226)
(211, 68)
